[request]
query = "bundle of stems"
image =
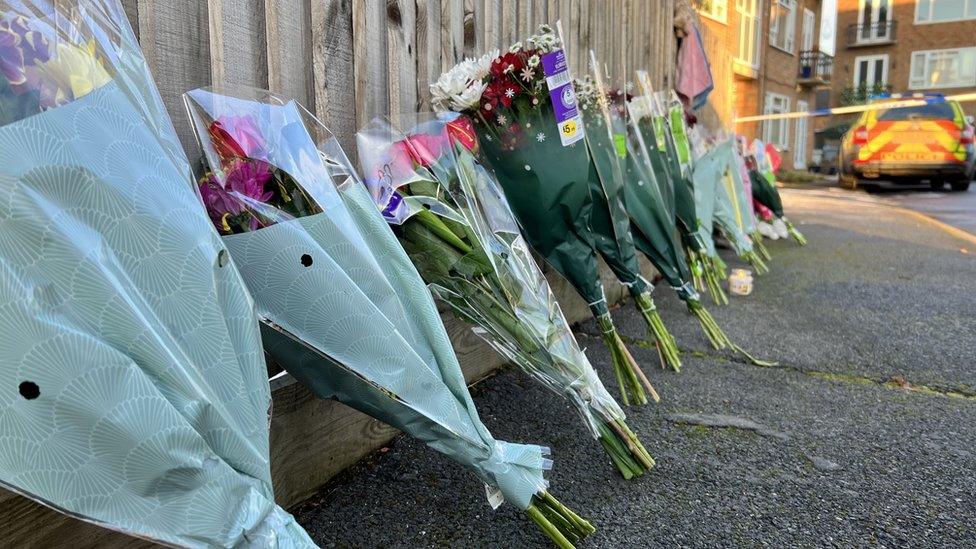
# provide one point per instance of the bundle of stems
(796, 234)
(667, 347)
(561, 524)
(633, 383)
(757, 242)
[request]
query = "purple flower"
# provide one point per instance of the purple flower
(12, 65)
(35, 46)
(248, 178)
(220, 204)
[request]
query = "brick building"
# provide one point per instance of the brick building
(905, 46)
(779, 52)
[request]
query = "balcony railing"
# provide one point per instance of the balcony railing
(862, 94)
(882, 32)
(816, 68)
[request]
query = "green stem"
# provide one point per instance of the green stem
(715, 335)
(629, 375)
(583, 526)
(557, 521)
(797, 235)
(548, 528)
(752, 259)
(667, 348)
(438, 227)
(757, 241)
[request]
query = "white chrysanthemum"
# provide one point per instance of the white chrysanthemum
(470, 97)
(451, 83)
(533, 61)
(481, 66)
(516, 47)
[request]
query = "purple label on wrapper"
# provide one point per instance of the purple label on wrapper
(563, 97)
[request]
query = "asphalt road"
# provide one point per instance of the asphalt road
(863, 435)
(955, 208)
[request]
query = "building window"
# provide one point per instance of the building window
(782, 24)
(941, 11)
(874, 19)
(822, 100)
(749, 27)
(870, 71)
(713, 9)
(955, 68)
(777, 131)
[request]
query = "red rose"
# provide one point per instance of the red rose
(462, 131)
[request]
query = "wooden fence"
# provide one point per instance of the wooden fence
(351, 60)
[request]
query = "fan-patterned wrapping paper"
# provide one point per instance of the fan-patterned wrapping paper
(133, 389)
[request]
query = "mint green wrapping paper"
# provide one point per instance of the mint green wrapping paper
(133, 389)
(717, 200)
(346, 312)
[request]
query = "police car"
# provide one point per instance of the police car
(933, 142)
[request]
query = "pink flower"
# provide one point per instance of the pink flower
(424, 148)
(248, 179)
(219, 203)
(242, 192)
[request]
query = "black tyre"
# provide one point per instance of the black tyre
(936, 184)
(847, 181)
(959, 186)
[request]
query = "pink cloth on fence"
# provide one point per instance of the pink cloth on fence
(694, 78)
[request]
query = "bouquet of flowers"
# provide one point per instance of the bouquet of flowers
(765, 219)
(135, 390)
(523, 109)
(452, 219)
(720, 200)
(346, 312)
(614, 139)
(610, 221)
(741, 176)
(763, 174)
(664, 137)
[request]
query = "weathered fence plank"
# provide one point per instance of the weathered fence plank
(175, 37)
(332, 68)
(238, 43)
(289, 38)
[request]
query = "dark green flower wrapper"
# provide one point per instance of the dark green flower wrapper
(548, 187)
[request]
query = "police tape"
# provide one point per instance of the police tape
(913, 102)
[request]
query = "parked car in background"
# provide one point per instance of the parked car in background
(931, 143)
